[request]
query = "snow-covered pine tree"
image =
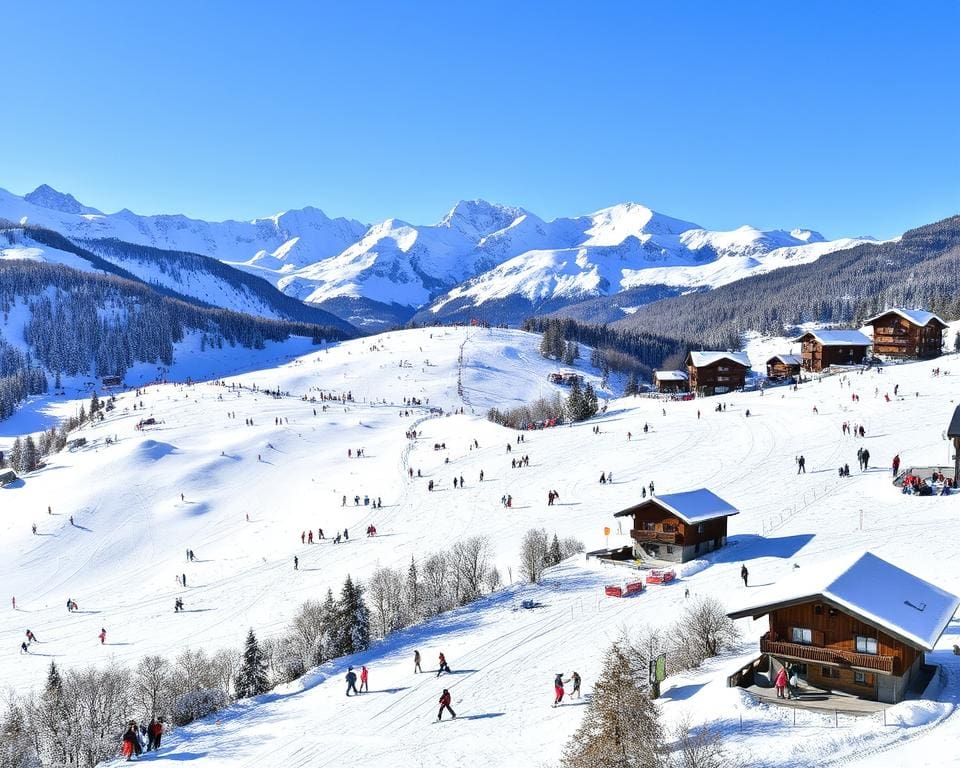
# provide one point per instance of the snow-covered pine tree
(590, 403)
(16, 455)
(252, 677)
(30, 457)
(354, 618)
(554, 555)
(575, 403)
(621, 727)
(94, 404)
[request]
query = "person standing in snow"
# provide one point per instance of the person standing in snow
(866, 459)
(445, 705)
(575, 679)
(129, 741)
(780, 683)
(744, 574)
(801, 464)
(896, 464)
(102, 636)
(557, 689)
(352, 682)
(364, 678)
(296, 563)
(416, 662)
(24, 648)
(443, 666)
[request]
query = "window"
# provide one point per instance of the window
(818, 609)
(700, 528)
(866, 645)
(800, 635)
(669, 550)
(860, 678)
(830, 672)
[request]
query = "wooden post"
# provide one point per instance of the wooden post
(956, 461)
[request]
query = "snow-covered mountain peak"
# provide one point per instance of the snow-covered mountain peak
(478, 218)
(46, 196)
(613, 225)
(807, 235)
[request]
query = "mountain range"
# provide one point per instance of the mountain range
(480, 261)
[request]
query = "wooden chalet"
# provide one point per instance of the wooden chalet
(679, 526)
(112, 381)
(783, 367)
(821, 349)
(907, 333)
(7, 476)
(713, 373)
(670, 381)
(860, 626)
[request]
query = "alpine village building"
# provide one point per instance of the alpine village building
(783, 367)
(860, 626)
(670, 381)
(907, 334)
(714, 373)
(679, 526)
(821, 349)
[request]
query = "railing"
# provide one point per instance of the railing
(828, 655)
(659, 536)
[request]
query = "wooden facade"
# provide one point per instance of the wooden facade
(670, 381)
(783, 367)
(659, 532)
(717, 377)
(817, 354)
(898, 335)
(835, 646)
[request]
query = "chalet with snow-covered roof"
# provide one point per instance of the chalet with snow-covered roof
(821, 349)
(679, 526)
(859, 625)
(783, 367)
(907, 334)
(670, 381)
(7, 476)
(713, 373)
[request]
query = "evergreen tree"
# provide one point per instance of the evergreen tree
(411, 592)
(575, 403)
(354, 618)
(956, 342)
(633, 386)
(82, 416)
(554, 556)
(30, 457)
(568, 357)
(94, 404)
(331, 633)
(16, 455)
(591, 404)
(621, 727)
(252, 677)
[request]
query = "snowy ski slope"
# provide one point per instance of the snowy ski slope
(120, 562)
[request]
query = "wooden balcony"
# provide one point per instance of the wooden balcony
(661, 537)
(828, 655)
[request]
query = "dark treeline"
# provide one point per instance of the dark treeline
(19, 378)
(620, 350)
(922, 269)
(82, 322)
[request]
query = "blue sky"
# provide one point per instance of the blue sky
(843, 117)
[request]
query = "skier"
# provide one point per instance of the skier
(31, 638)
(801, 464)
(155, 732)
(416, 662)
(129, 741)
(896, 464)
(364, 678)
(866, 458)
(558, 689)
(352, 682)
(444, 667)
(13, 602)
(102, 636)
(445, 705)
(575, 679)
(24, 648)
(744, 574)
(481, 475)
(296, 563)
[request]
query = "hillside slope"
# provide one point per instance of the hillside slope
(290, 470)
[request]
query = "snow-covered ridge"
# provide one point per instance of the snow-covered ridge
(477, 253)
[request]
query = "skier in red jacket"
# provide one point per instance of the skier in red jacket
(558, 689)
(445, 705)
(364, 676)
